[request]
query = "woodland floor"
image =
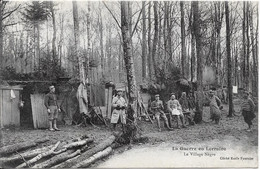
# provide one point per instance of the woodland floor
(232, 129)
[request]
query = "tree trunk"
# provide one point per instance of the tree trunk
(54, 54)
(89, 45)
(144, 48)
(183, 46)
(77, 43)
(248, 48)
(91, 152)
(129, 63)
(101, 44)
(57, 159)
(25, 155)
(244, 45)
(197, 33)
(94, 158)
(1, 36)
(229, 74)
(21, 146)
(39, 156)
(38, 52)
(155, 39)
(149, 41)
(253, 45)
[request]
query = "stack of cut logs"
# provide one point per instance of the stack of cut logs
(76, 153)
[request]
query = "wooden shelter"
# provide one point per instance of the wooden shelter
(9, 106)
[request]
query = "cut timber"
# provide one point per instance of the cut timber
(89, 153)
(63, 143)
(38, 157)
(78, 143)
(93, 158)
(58, 159)
(64, 164)
(20, 146)
(25, 155)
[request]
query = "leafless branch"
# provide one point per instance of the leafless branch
(136, 22)
(7, 14)
(112, 15)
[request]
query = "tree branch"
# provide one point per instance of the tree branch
(112, 14)
(136, 22)
(11, 24)
(7, 14)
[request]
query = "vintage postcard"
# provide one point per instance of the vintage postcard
(129, 84)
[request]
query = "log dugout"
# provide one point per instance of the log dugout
(9, 110)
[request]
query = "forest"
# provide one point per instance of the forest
(154, 48)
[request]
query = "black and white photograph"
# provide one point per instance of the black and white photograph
(129, 84)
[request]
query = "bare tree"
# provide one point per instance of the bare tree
(128, 58)
(197, 33)
(144, 47)
(183, 45)
(229, 75)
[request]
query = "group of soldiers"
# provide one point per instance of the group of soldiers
(175, 108)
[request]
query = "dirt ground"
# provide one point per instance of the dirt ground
(235, 127)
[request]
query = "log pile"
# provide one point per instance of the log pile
(76, 153)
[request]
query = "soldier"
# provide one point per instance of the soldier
(214, 104)
(157, 109)
(50, 101)
(175, 109)
(248, 108)
(119, 105)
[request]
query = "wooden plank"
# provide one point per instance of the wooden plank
(15, 109)
(10, 87)
(109, 102)
(1, 108)
(40, 116)
(33, 111)
(7, 111)
(106, 101)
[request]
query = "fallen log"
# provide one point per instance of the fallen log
(63, 164)
(20, 146)
(25, 155)
(93, 158)
(58, 159)
(78, 143)
(104, 144)
(63, 143)
(38, 157)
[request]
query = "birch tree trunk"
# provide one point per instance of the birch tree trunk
(77, 43)
(128, 58)
(197, 33)
(229, 74)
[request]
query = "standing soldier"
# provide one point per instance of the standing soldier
(157, 109)
(50, 101)
(214, 104)
(119, 105)
(248, 108)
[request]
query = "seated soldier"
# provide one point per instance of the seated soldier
(157, 109)
(175, 108)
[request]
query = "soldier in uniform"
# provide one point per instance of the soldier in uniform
(174, 107)
(50, 101)
(157, 109)
(119, 107)
(248, 108)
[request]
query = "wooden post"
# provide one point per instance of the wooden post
(109, 104)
